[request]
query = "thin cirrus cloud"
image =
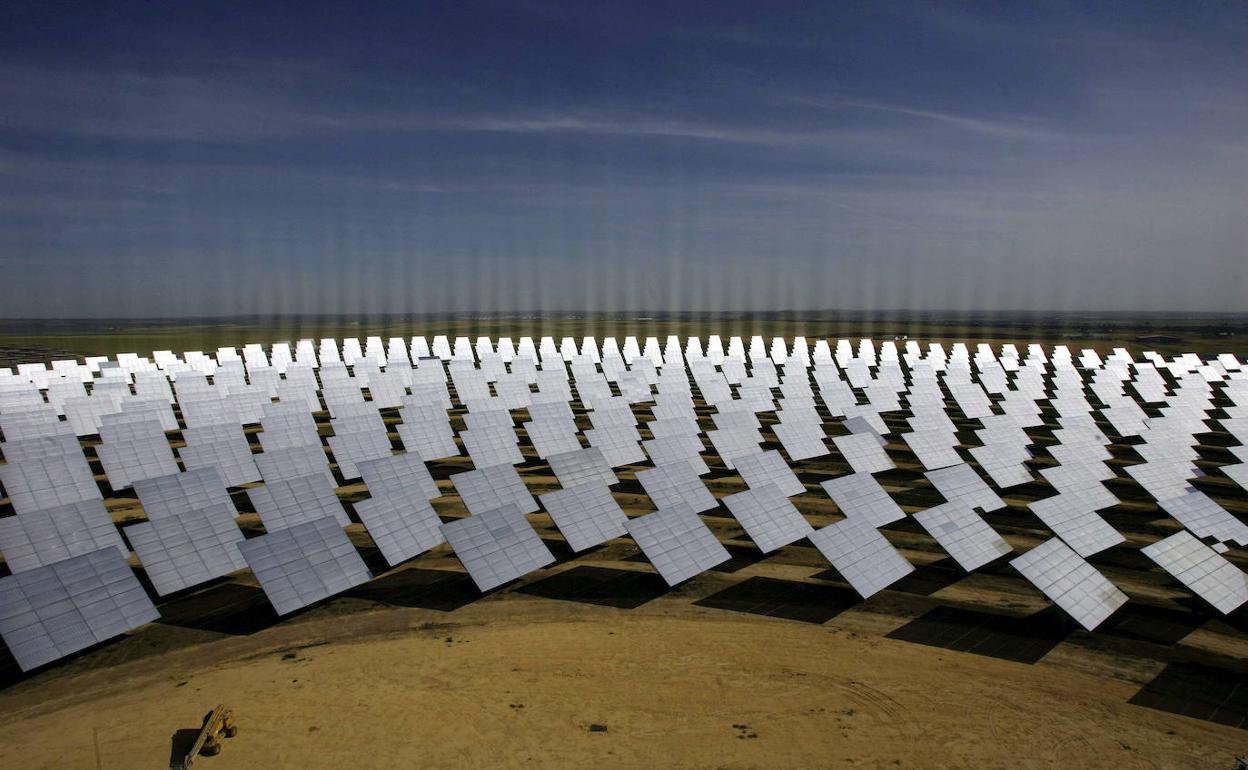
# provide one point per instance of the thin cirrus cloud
(557, 158)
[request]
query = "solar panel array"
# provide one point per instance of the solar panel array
(1160, 405)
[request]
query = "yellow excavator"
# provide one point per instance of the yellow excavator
(218, 725)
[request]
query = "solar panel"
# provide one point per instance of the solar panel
(358, 446)
(671, 449)
(185, 550)
(1072, 517)
(552, 436)
(732, 443)
(801, 441)
(961, 484)
(491, 447)
(38, 538)
(126, 462)
(582, 466)
(768, 517)
(179, 493)
(619, 444)
(860, 496)
(401, 471)
(1204, 571)
(429, 439)
(674, 485)
(58, 609)
(285, 503)
(1205, 518)
(1070, 582)
(863, 452)
(586, 514)
(1163, 480)
(934, 448)
(293, 462)
(47, 482)
(863, 556)
(677, 543)
(304, 564)
(769, 467)
(232, 458)
(400, 520)
(487, 489)
(960, 531)
(497, 546)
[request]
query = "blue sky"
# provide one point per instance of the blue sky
(222, 158)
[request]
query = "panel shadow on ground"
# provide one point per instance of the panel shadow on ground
(604, 586)
(1201, 692)
(427, 589)
(806, 602)
(1159, 625)
(227, 608)
(1022, 640)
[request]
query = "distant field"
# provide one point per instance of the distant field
(35, 340)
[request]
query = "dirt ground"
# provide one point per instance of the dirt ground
(516, 681)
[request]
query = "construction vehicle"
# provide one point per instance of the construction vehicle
(218, 725)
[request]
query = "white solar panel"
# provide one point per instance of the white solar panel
(487, 489)
(769, 467)
(1205, 518)
(619, 444)
(185, 550)
(863, 556)
(1070, 582)
(863, 452)
(358, 446)
(679, 448)
(126, 462)
(39, 538)
(1205, 572)
(674, 485)
(58, 609)
(401, 471)
(582, 466)
(934, 448)
(430, 439)
(293, 462)
(179, 493)
(860, 496)
(768, 517)
(491, 447)
(400, 520)
(731, 443)
(801, 441)
(232, 458)
(304, 563)
(586, 514)
(287, 502)
(960, 531)
(552, 436)
(677, 543)
(961, 484)
(1072, 517)
(497, 546)
(48, 482)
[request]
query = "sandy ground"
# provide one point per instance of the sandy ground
(517, 681)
